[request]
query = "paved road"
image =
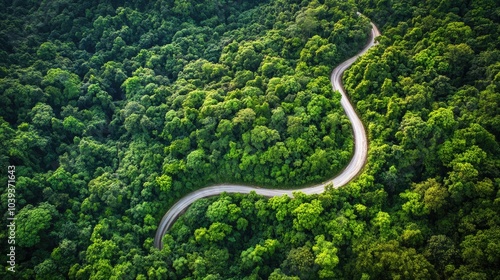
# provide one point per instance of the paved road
(353, 168)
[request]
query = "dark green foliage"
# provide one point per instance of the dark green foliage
(111, 111)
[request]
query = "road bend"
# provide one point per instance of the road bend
(350, 171)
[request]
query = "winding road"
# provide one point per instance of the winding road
(352, 169)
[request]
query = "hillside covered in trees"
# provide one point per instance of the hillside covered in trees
(113, 110)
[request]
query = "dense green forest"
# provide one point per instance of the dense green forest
(113, 110)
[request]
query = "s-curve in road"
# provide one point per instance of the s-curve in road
(352, 169)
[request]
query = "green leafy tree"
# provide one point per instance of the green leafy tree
(61, 86)
(32, 224)
(307, 215)
(299, 262)
(326, 257)
(47, 51)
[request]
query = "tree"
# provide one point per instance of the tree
(196, 162)
(223, 210)
(218, 231)
(47, 270)
(299, 262)
(278, 275)
(326, 257)
(262, 137)
(61, 180)
(32, 222)
(245, 118)
(73, 125)
(42, 115)
(256, 255)
(62, 86)
(441, 251)
(108, 189)
(482, 249)
(318, 51)
(164, 183)
(307, 22)
(47, 51)
(307, 215)
(382, 222)
(390, 260)
(246, 58)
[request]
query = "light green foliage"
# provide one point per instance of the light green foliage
(280, 205)
(256, 255)
(318, 51)
(391, 260)
(223, 210)
(278, 275)
(61, 86)
(218, 231)
(73, 125)
(244, 117)
(307, 215)
(326, 257)
(60, 180)
(108, 189)
(382, 222)
(164, 182)
(47, 51)
(32, 222)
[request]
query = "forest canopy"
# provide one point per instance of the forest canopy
(113, 110)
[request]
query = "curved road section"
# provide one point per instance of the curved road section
(353, 168)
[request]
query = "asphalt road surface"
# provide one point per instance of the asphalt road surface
(351, 170)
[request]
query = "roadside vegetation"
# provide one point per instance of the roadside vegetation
(111, 111)
(427, 204)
